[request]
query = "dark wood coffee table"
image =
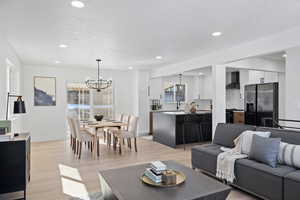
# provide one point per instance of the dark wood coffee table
(125, 184)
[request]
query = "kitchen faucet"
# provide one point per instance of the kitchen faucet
(178, 105)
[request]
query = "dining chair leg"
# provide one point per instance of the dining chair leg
(71, 139)
(77, 148)
(98, 147)
(129, 143)
(135, 144)
(104, 136)
(74, 145)
(109, 140)
(114, 143)
(80, 148)
(120, 145)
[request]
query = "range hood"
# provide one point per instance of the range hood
(235, 81)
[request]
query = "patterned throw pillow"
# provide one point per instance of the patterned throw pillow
(289, 154)
(248, 137)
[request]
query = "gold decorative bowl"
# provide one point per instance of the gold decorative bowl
(180, 178)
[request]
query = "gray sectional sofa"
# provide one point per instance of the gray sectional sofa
(280, 183)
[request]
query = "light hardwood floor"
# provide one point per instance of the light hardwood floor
(55, 172)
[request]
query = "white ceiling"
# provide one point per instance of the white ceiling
(132, 32)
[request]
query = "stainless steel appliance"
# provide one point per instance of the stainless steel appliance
(261, 104)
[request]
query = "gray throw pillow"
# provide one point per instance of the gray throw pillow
(265, 150)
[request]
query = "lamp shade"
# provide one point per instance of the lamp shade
(19, 106)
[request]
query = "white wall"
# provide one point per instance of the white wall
(8, 54)
(219, 96)
(292, 103)
(143, 101)
(49, 123)
(206, 86)
(282, 95)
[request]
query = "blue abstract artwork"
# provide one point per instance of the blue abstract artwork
(44, 91)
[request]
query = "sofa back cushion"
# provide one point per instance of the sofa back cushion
(226, 133)
(288, 136)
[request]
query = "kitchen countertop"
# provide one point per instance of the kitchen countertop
(181, 112)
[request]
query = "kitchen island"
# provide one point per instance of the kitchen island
(171, 128)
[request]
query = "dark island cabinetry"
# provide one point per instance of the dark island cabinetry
(171, 128)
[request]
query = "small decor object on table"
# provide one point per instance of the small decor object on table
(169, 177)
(193, 107)
(159, 175)
(98, 117)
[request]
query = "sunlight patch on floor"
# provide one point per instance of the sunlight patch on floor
(69, 172)
(74, 189)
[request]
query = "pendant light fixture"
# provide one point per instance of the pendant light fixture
(99, 84)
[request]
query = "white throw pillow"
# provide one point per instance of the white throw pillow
(289, 154)
(247, 139)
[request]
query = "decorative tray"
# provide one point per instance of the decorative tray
(180, 178)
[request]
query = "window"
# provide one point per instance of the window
(103, 102)
(174, 92)
(79, 102)
(85, 103)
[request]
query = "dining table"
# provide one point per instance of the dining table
(101, 125)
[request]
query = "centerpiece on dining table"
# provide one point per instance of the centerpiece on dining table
(159, 175)
(98, 117)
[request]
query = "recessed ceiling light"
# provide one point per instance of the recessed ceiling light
(130, 68)
(57, 62)
(200, 74)
(77, 4)
(63, 46)
(158, 57)
(284, 55)
(216, 34)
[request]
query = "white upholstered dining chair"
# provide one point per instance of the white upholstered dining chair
(72, 134)
(109, 131)
(83, 135)
(128, 134)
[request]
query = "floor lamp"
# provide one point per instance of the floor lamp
(19, 105)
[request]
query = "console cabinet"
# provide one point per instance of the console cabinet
(15, 164)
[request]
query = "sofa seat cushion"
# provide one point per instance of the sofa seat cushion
(204, 157)
(260, 178)
(292, 185)
(226, 133)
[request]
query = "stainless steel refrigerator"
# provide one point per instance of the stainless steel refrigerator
(261, 104)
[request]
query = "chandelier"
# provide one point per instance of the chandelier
(99, 84)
